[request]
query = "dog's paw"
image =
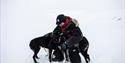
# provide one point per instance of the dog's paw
(38, 58)
(36, 62)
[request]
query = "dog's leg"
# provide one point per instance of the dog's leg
(50, 55)
(34, 59)
(85, 54)
(35, 54)
(87, 58)
(66, 55)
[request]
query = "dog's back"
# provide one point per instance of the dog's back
(35, 43)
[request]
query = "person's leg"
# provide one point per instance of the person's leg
(74, 55)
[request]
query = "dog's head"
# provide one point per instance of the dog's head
(44, 40)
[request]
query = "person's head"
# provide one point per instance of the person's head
(60, 18)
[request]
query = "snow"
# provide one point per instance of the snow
(101, 21)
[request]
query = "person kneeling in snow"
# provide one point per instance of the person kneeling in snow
(70, 29)
(71, 26)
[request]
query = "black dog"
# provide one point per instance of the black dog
(83, 49)
(73, 52)
(53, 45)
(36, 43)
(44, 42)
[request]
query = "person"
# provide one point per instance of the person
(69, 27)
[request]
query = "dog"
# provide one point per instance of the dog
(37, 43)
(73, 53)
(44, 42)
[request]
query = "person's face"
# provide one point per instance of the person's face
(61, 24)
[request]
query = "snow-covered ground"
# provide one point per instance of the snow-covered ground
(101, 21)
